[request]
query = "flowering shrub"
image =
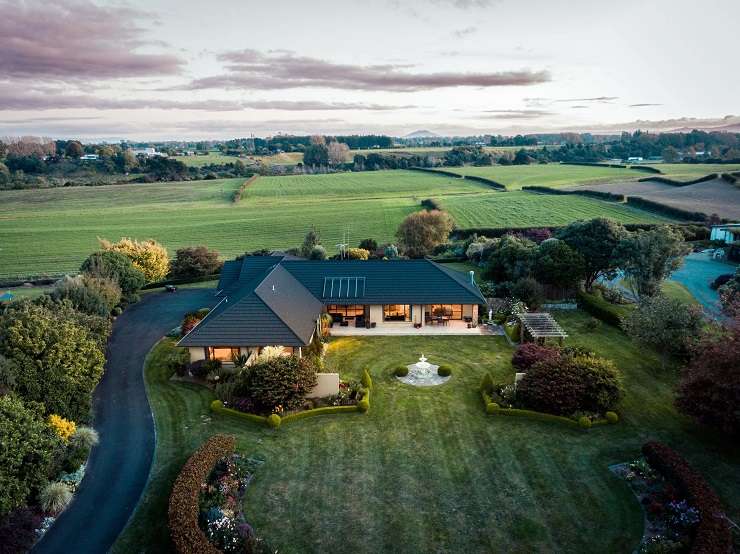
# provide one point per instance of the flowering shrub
(64, 428)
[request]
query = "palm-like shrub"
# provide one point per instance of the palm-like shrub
(55, 497)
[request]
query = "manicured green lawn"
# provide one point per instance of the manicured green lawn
(426, 470)
(53, 230)
(674, 289)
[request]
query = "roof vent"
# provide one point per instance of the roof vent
(472, 277)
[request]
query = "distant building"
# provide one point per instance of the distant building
(728, 233)
(86, 157)
(148, 152)
(635, 159)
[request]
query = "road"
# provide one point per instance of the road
(118, 467)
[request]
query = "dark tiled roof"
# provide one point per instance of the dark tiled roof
(387, 282)
(271, 300)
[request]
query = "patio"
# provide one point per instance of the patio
(402, 328)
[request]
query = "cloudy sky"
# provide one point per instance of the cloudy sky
(175, 69)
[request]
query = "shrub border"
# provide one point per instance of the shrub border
(182, 511)
(492, 408)
(597, 194)
(218, 407)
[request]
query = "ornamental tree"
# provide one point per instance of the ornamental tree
(27, 453)
(280, 382)
(194, 261)
(57, 360)
(664, 324)
(709, 390)
(116, 266)
(649, 257)
(420, 232)
(595, 241)
(510, 258)
(148, 256)
(558, 264)
(88, 294)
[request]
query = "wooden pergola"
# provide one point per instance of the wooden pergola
(539, 326)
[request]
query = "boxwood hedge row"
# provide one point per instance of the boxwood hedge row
(601, 195)
(183, 508)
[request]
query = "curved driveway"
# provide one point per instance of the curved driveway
(118, 467)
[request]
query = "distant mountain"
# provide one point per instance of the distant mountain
(729, 128)
(421, 134)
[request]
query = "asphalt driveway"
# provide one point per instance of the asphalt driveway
(118, 467)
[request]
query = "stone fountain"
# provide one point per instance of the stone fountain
(423, 374)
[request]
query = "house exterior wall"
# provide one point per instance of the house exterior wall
(376, 314)
(197, 353)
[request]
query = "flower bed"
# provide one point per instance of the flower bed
(276, 420)
(184, 505)
(682, 513)
(221, 517)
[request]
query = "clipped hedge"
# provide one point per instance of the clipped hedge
(513, 332)
(667, 181)
(600, 195)
(183, 281)
(713, 535)
(275, 423)
(183, 508)
(490, 182)
(646, 168)
(597, 164)
(493, 408)
(238, 193)
(367, 381)
(600, 308)
(664, 209)
(730, 178)
(438, 171)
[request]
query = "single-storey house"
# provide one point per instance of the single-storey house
(728, 233)
(279, 300)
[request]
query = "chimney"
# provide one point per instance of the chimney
(472, 277)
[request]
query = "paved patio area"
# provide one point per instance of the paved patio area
(402, 328)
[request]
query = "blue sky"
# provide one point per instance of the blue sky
(166, 69)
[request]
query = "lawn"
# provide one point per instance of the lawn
(551, 175)
(53, 230)
(287, 158)
(426, 470)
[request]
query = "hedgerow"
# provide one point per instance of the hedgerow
(667, 181)
(238, 193)
(713, 534)
(183, 507)
(600, 308)
(601, 195)
(664, 209)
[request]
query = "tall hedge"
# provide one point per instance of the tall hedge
(713, 534)
(674, 183)
(183, 510)
(601, 195)
(664, 209)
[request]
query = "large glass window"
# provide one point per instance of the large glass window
(397, 312)
(451, 311)
(223, 353)
(350, 310)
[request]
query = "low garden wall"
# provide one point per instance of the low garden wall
(183, 508)
(713, 534)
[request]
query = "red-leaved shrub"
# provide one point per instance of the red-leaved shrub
(530, 353)
(713, 534)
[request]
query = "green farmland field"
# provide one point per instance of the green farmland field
(52, 230)
(687, 172)
(550, 175)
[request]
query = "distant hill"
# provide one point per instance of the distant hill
(421, 134)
